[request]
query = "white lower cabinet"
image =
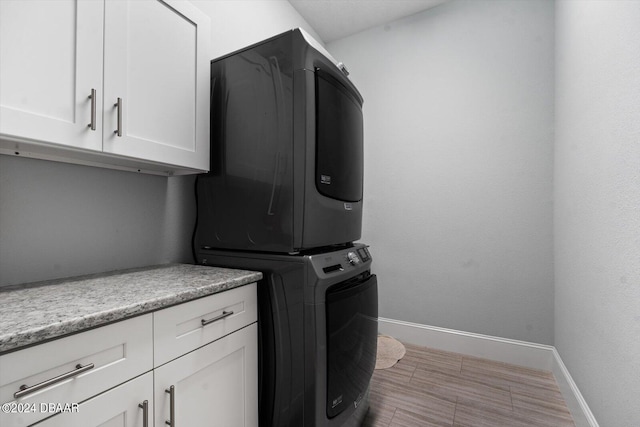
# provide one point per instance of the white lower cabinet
(104, 376)
(123, 406)
(215, 385)
(72, 369)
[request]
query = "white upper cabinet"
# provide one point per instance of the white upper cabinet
(155, 64)
(50, 59)
(146, 60)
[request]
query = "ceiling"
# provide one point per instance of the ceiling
(334, 19)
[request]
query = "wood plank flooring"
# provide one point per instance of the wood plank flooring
(435, 388)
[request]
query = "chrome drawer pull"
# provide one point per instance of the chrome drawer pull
(172, 406)
(93, 97)
(145, 413)
(24, 389)
(215, 319)
(118, 105)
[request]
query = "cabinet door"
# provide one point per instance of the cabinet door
(51, 58)
(118, 407)
(214, 386)
(157, 62)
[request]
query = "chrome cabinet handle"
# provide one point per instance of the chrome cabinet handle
(172, 406)
(145, 413)
(215, 319)
(93, 98)
(118, 105)
(24, 389)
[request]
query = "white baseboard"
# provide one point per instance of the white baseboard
(580, 411)
(522, 353)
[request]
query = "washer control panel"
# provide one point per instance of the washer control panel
(346, 259)
(364, 254)
(352, 258)
(358, 256)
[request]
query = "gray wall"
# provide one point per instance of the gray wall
(60, 220)
(458, 166)
(597, 209)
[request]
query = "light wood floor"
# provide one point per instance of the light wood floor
(436, 388)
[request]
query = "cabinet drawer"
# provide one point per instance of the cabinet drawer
(179, 329)
(118, 407)
(118, 352)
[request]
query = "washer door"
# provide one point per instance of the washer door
(352, 330)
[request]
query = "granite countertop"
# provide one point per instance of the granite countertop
(35, 312)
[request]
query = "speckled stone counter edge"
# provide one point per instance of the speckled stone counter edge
(38, 312)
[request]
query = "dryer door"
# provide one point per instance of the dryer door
(339, 140)
(352, 330)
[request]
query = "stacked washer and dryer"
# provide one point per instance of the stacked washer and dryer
(284, 197)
